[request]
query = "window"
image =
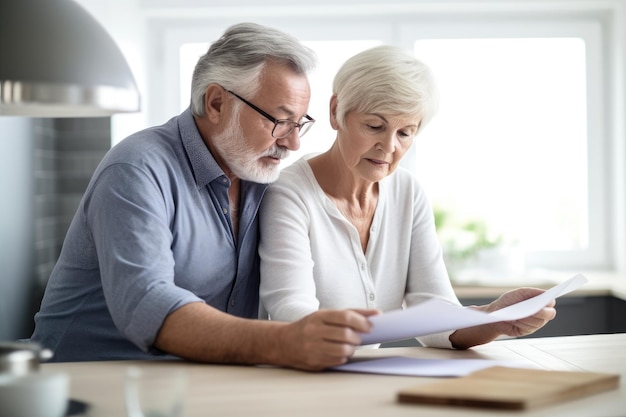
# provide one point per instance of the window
(511, 161)
(518, 156)
(508, 149)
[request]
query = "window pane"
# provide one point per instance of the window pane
(508, 147)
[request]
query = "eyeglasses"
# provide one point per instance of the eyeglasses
(282, 127)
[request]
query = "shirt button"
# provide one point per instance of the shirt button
(372, 297)
(224, 180)
(373, 228)
(363, 267)
(224, 210)
(232, 303)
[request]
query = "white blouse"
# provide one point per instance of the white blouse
(311, 255)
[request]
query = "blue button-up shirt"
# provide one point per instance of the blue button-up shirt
(152, 233)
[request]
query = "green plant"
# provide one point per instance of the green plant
(462, 240)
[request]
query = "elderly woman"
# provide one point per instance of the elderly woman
(349, 228)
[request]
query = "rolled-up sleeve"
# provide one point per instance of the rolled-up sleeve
(129, 217)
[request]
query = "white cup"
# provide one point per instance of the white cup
(34, 394)
(155, 391)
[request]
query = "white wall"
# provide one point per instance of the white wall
(618, 216)
(125, 22)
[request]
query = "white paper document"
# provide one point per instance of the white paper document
(435, 316)
(405, 366)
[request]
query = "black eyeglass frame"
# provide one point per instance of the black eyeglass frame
(308, 122)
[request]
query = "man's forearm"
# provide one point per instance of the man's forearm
(201, 333)
(320, 340)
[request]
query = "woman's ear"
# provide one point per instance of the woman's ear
(333, 112)
(214, 102)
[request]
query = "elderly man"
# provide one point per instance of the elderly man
(161, 256)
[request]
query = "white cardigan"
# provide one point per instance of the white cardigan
(311, 255)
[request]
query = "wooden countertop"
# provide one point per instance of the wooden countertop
(261, 391)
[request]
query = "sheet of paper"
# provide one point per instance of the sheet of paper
(405, 366)
(435, 315)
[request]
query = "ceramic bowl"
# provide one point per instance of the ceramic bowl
(37, 394)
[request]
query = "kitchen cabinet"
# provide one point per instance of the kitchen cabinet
(577, 315)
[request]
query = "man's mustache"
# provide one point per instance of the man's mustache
(279, 152)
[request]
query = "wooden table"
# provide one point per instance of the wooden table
(259, 391)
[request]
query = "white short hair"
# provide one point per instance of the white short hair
(387, 80)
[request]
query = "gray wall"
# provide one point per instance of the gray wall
(45, 165)
(16, 224)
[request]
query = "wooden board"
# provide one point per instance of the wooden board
(510, 388)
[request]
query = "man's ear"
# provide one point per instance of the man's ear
(333, 112)
(214, 99)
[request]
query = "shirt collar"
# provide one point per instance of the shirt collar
(205, 168)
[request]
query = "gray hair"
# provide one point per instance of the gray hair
(388, 80)
(235, 61)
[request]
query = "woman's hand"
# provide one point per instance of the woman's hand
(478, 335)
(527, 325)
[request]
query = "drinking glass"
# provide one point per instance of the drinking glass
(155, 391)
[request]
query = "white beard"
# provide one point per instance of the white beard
(242, 160)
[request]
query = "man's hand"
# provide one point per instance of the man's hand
(325, 338)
